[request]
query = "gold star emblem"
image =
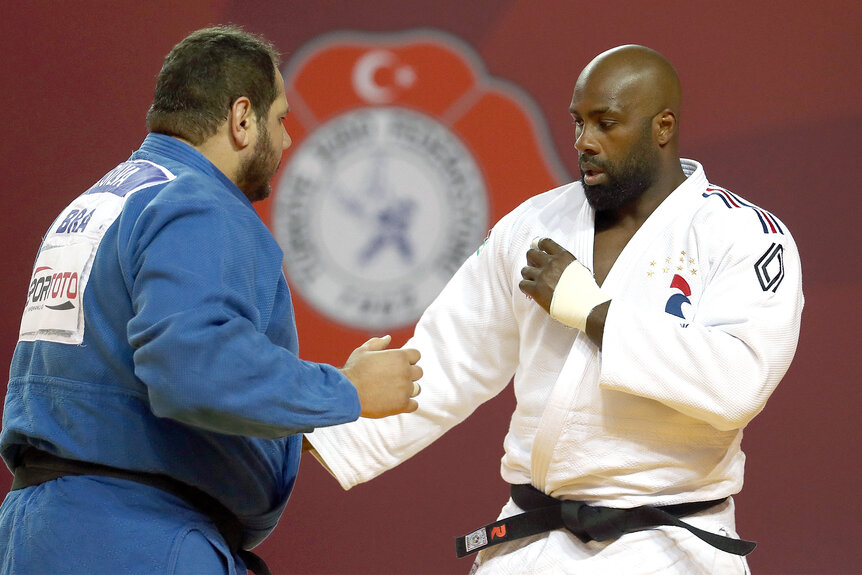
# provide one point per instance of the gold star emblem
(693, 272)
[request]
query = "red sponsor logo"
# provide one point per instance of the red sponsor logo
(59, 288)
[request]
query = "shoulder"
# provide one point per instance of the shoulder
(720, 212)
(540, 215)
(550, 205)
(727, 208)
(195, 207)
(200, 195)
(735, 231)
(570, 195)
(191, 187)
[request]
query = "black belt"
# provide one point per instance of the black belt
(589, 523)
(36, 467)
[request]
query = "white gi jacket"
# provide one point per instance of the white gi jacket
(703, 324)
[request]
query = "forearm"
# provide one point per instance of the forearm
(721, 374)
(596, 323)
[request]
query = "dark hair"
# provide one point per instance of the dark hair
(202, 77)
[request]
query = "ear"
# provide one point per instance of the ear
(665, 126)
(240, 121)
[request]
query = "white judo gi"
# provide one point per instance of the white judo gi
(703, 324)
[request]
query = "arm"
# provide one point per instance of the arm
(469, 340)
(206, 286)
(723, 365)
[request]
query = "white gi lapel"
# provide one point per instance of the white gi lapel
(582, 365)
(678, 204)
(579, 241)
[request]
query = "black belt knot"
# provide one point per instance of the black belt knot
(36, 467)
(589, 522)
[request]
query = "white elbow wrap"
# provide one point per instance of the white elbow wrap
(575, 296)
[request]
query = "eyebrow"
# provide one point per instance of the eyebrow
(594, 112)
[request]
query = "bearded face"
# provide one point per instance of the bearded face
(256, 172)
(626, 179)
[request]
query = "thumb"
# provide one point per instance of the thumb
(377, 343)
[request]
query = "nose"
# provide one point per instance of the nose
(285, 139)
(585, 142)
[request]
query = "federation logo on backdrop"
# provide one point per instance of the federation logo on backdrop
(380, 207)
(386, 189)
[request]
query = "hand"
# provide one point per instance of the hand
(563, 287)
(546, 262)
(384, 378)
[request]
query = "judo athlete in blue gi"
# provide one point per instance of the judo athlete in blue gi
(156, 395)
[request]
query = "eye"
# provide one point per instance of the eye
(578, 124)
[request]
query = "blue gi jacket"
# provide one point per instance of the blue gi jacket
(188, 362)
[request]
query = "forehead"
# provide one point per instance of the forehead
(279, 106)
(600, 93)
(621, 89)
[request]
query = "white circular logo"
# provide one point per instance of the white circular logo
(375, 211)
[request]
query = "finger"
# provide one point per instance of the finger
(536, 258)
(528, 287)
(417, 373)
(535, 243)
(412, 355)
(377, 343)
(412, 406)
(551, 247)
(529, 273)
(417, 389)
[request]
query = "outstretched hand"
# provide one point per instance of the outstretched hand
(384, 378)
(546, 262)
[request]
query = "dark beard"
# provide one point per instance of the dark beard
(628, 180)
(256, 172)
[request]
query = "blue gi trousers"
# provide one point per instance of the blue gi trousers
(101, 525)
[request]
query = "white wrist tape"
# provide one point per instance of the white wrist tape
(575, 296)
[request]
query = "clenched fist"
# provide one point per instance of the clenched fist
(546, 262)
(384, 378)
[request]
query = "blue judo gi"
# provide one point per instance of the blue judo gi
(158, 336)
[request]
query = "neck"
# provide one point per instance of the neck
(214, 150)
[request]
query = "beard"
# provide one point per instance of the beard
(627, 180)
(256, 172)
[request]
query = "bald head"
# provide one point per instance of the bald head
(634, 78)
(626, 109)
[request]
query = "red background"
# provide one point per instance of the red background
(771, 109)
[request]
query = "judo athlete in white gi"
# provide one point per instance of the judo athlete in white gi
(156, 398)
(631, 394)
